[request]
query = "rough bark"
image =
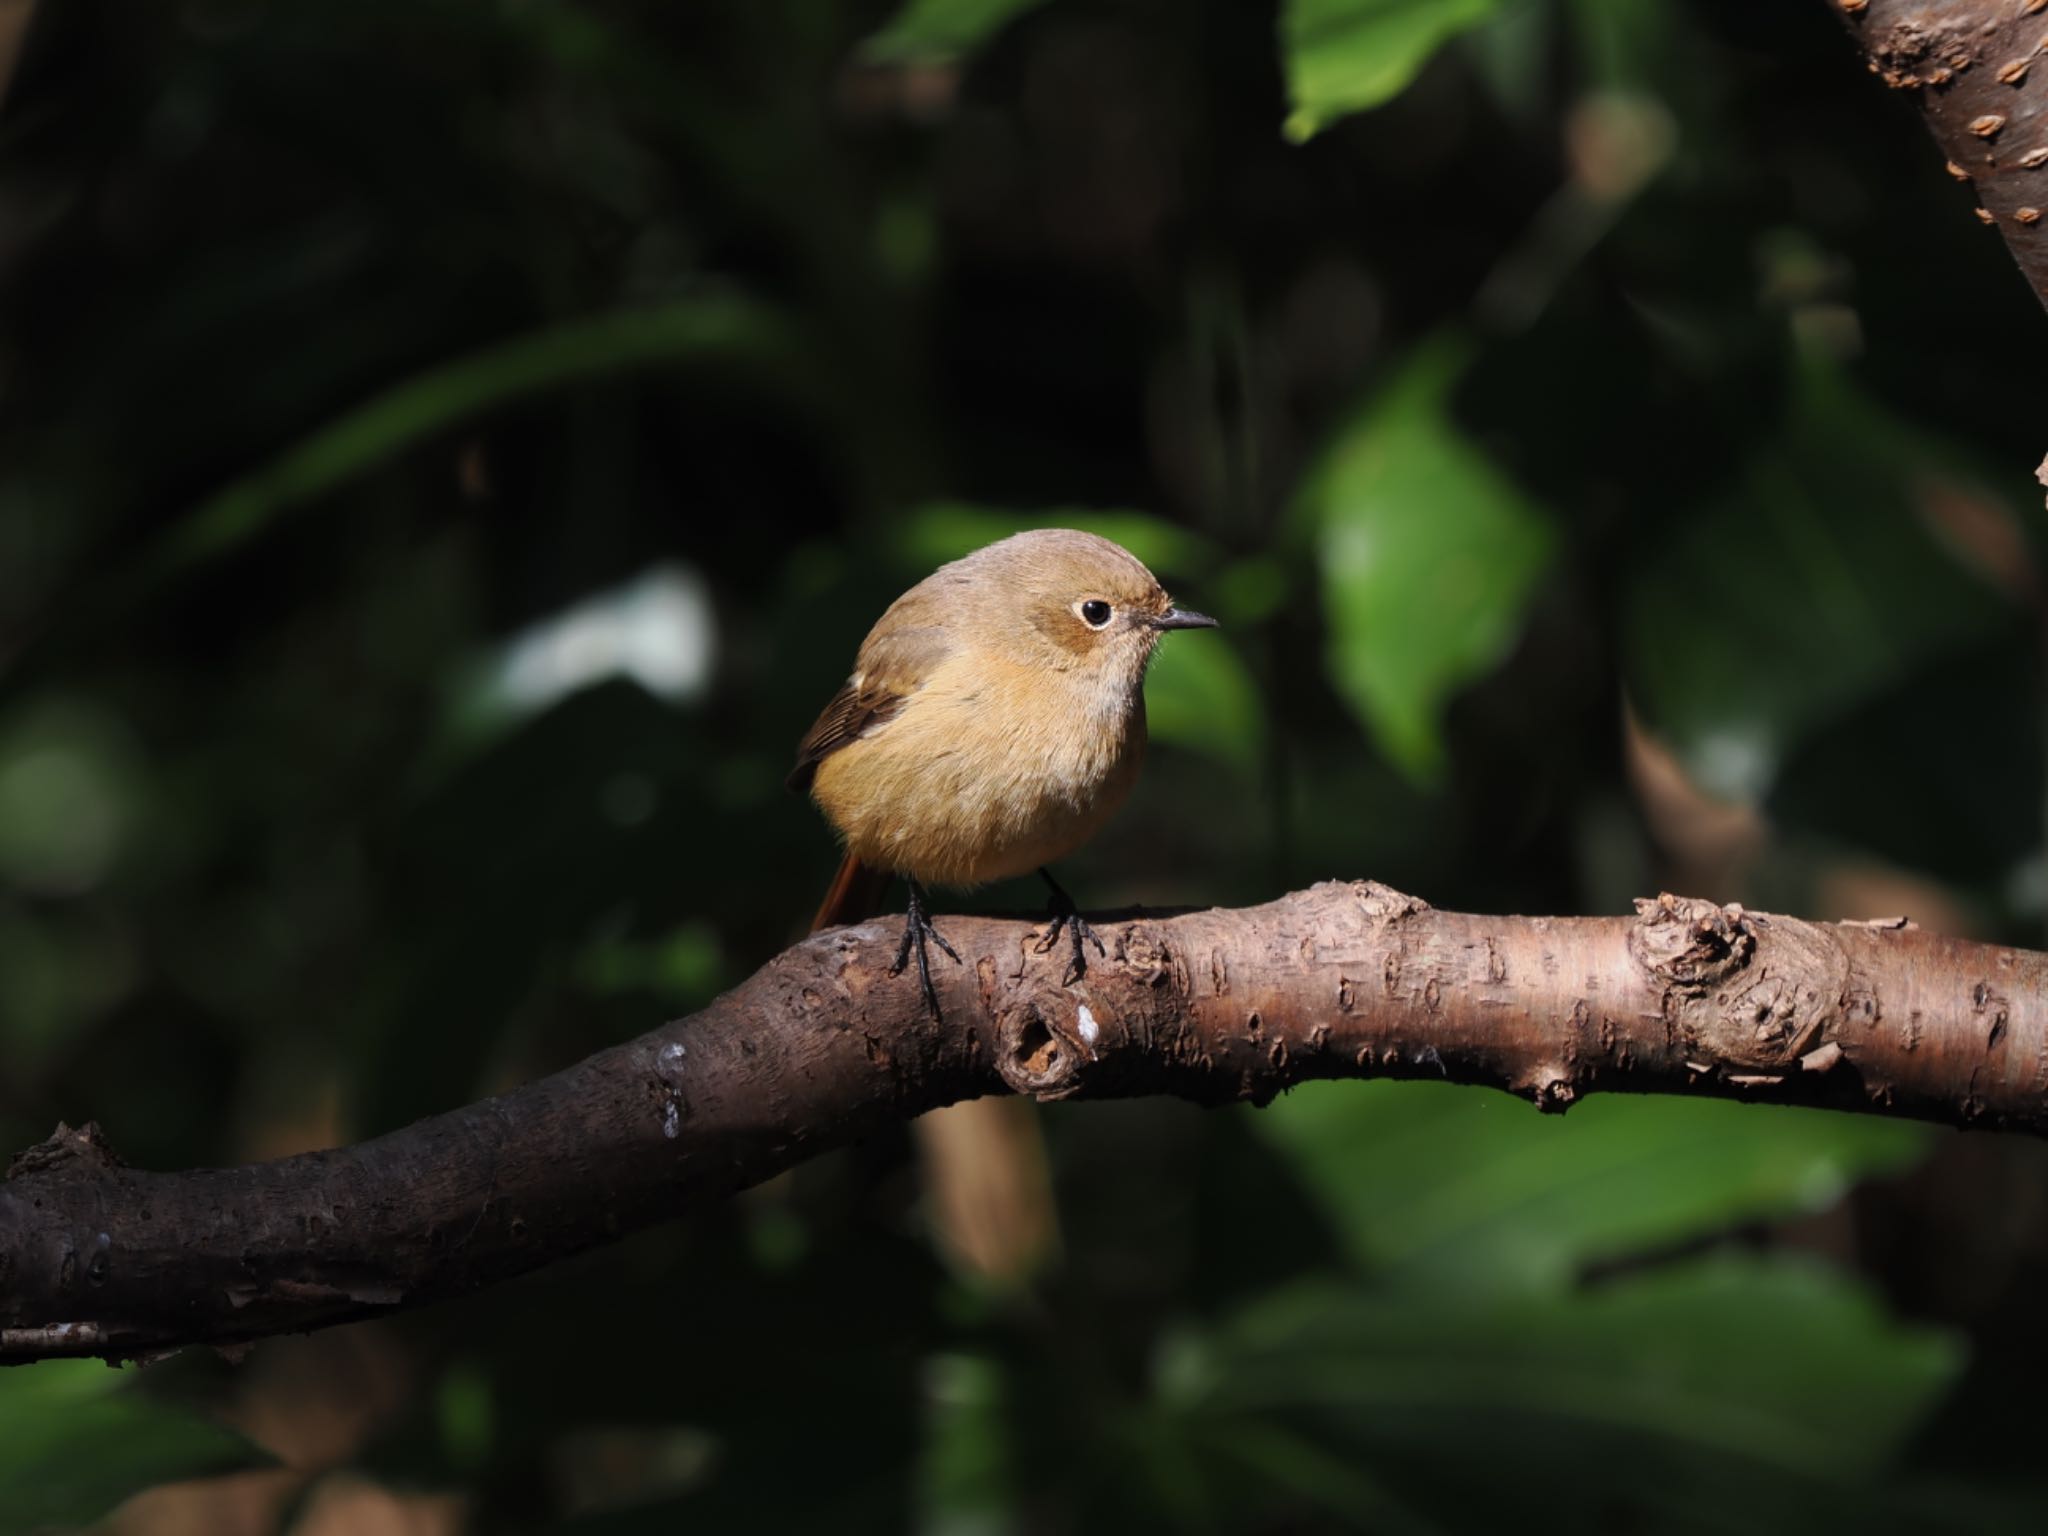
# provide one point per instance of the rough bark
(1978, 70)
(822, 1046)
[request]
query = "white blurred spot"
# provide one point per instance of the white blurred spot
(656, 629)
(1735, 765)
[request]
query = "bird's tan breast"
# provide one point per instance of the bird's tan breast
(990, 770)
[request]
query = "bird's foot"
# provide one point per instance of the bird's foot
(917, 928)
(1065, 915)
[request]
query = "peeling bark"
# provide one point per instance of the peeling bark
(1978, 69)
(822, 1046)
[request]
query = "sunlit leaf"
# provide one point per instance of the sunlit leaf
(927, 31)
(1441, 1187)
(76, 1438)
(1428, 557)
(1344, 56)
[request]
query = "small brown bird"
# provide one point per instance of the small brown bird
(995, 719)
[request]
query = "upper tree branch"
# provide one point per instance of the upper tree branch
(821, 1046)
(1979, 71)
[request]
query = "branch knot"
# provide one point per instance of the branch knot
(87, 1144)
(1688, 943)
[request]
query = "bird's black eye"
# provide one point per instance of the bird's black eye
(1095, 613)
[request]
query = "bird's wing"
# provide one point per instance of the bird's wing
(891, 667)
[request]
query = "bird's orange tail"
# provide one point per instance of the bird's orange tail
(855, 896)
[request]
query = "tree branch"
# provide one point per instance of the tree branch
(822, 1046)
(1978, 71)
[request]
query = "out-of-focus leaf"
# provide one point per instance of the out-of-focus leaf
(683, 968)
(1428, 557)
(1344, 56)
(464, 1407)
(76, 1438)
(931, 31)
(1444, 1188)
(1812, 585)
(1672, 1383)
(1623, 45)
(966, 1475)
(1200, 695)
(945, 531)
(70, 795)
(724, 329)
(1248, 591)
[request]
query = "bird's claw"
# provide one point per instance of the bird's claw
(1078, 930)
(917, 929)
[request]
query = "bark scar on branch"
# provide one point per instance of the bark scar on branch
(822, 1046)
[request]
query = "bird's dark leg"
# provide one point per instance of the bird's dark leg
(1065, 915)
(917, 927)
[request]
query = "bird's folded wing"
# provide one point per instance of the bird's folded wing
(891, 667)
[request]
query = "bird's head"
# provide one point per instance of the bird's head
(1075, 604)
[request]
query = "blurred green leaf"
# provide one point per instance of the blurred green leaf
(1344, 56)
(931, 31)
(1673, 1383)
(76, 1439)
(1439, 1187)
(1200, 695)
(1428, 557)
(966, 1476)
(70, 794)
(1814, 581)
(1624, 45)
(463, 1403)
(1248, 591)
(723, 329)
(682, 968)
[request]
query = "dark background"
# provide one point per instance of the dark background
(449, 450)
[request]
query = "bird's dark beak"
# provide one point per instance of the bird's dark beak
(1183, 618)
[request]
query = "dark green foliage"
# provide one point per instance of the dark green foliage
(76, 1442)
